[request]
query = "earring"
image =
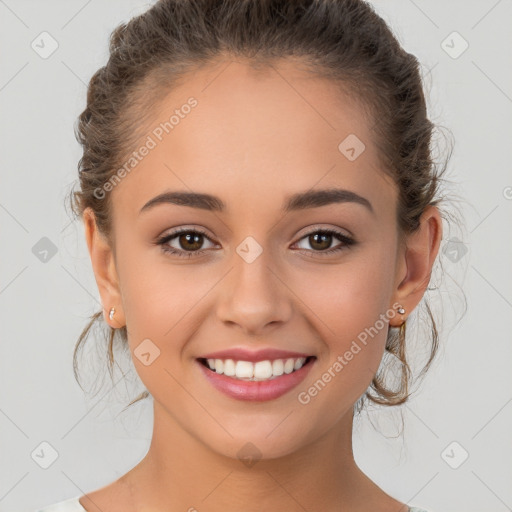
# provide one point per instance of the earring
(112, 313)
(401, 311)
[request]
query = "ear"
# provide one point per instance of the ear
(416, 261)
(103, 264)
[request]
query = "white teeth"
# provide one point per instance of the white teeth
(244, 369)
(298, 364)
(229, 367)
(262, 370)
(278, 367)
(218, 366)
(289, 365)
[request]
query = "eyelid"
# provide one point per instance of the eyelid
(184, 229)
(314, 228)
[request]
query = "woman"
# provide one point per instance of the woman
(262, 215)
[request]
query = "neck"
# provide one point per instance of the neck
(180, 472)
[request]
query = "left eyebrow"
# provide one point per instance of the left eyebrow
(316, 198)
(299, 201)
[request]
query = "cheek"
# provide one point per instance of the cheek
(160, 296)
(350, 303)
(145, 289)
(351, 295)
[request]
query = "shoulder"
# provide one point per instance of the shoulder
(69, 505)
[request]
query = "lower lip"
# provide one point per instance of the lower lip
(256, 391)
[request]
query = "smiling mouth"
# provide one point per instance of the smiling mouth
(259, 371)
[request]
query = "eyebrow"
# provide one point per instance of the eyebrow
(299, 201)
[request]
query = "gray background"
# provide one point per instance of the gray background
(45, 300)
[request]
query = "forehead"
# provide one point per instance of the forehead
(253, 133)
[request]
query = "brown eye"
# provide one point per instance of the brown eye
(321, 240)
(191, 241)
(184, 242)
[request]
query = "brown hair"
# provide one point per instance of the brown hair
(344, 40)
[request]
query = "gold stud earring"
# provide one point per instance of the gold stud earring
(112, 313)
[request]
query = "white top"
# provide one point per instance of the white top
(73, 505)
(70, 505)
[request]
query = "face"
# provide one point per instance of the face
(309, 279)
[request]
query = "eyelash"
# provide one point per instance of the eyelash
(346, 242)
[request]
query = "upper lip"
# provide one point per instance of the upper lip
(243, 354)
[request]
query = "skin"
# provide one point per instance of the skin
(253, 140)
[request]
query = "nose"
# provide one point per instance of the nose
(254, 297)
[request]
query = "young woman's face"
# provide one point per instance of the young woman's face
(259, 275)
